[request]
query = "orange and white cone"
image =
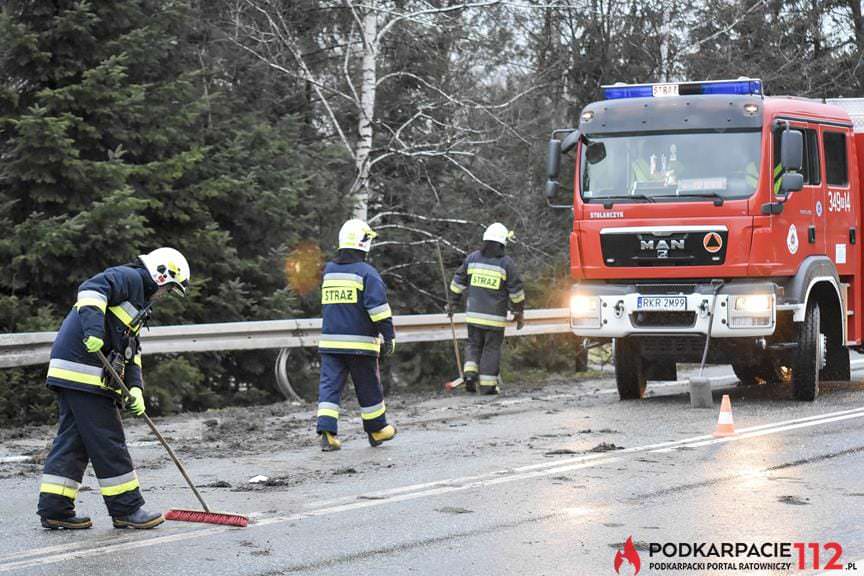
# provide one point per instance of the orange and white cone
(725, 425)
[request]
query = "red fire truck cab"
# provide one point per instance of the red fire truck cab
(707, 211)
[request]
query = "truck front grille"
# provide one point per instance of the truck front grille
(663, 319)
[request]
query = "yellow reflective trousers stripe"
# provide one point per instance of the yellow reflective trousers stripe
(59, 490)
(328, 412)
(120, 488)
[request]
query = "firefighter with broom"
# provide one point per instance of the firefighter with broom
(490, 278)
(102, 321)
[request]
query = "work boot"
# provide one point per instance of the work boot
(71, 523)
(381, 436)
(489, 390)
(139, 520)
(329, 442)
(471, 384)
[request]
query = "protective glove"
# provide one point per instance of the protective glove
(388, 348)
(520, 321)
(93, 343)
(135, 404)
(449, 311)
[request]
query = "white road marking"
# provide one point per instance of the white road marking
(51, 555)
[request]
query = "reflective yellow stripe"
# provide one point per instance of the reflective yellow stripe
(59, 490)
(342, 284)
(137, 360)
(121, 314)
(348, 345)
(517, 297)
(120, 488)
(375, 414)
(470, 367)
(380, 313)
(457, 288)
(72, 376)
(485, 322)
(328, 412)
(100, 304)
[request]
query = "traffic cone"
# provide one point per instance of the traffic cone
(725, 425)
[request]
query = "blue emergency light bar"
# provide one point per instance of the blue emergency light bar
(743, 87)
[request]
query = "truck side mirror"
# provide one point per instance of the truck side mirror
(792, 150)
(553, 168)
(553, 159)
(791, 182)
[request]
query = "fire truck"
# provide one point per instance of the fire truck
(714, 223)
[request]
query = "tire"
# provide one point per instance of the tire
(837, 367)
(748, 375)
(808, 360)
(766, 372)
(665, 370)
(629, 369)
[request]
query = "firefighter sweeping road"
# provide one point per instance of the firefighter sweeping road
(541, 480)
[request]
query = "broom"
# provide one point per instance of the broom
(178, 514)
(450, 386)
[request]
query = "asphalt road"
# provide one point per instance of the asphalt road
(549, 480)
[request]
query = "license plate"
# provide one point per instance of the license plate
(661, 303)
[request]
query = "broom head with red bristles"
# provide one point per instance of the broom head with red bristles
(222, 518)
(453, 384)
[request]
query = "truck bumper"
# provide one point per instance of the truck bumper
(742, 309)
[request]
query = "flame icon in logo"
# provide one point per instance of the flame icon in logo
(630, 554)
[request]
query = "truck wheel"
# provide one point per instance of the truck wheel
(665, 370)
(748, 375)
(808, 362)
(763, 372)
(837, 367)
(629, 369)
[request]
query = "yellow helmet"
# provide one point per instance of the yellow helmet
(356, 235)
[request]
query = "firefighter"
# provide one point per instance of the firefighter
(106, 317)
(492, 281)
(356, 313)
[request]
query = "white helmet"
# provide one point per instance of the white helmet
(497, 232)
(356, 235)
(167, 266)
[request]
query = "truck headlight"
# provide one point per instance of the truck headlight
(751, 310)
(584, 311)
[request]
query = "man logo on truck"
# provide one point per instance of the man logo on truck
(662, 247)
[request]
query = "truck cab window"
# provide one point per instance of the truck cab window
(836, 169)
(671, 166)
(810, 167)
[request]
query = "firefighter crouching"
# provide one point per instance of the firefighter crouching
(90, 428)
(355, 312)
(491, 280)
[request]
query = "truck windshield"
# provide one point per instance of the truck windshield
(640, 167)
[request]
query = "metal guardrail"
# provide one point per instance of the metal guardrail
(31, 348)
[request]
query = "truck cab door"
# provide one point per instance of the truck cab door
(802, 222)
(838, 216)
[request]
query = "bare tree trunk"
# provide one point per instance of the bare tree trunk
(360, 188)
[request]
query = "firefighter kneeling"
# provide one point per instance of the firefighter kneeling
(107, 318)
(356, 312)
(491, 279)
